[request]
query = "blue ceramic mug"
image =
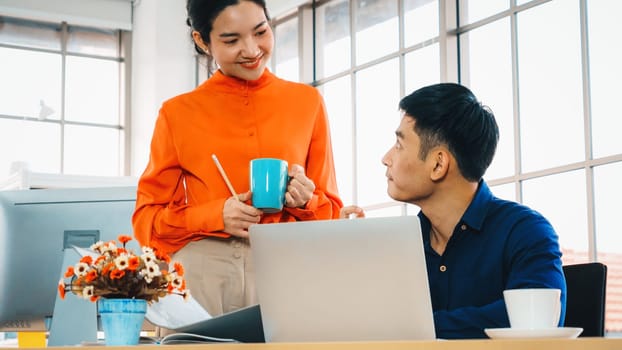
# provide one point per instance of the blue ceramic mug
(268, 183)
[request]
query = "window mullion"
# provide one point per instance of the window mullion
(63, 79)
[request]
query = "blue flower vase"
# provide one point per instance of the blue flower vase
(122, 320)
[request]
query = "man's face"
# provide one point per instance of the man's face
(408, 176)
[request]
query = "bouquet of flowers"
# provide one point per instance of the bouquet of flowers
(119, 273)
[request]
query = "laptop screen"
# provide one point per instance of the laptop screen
(342, 280)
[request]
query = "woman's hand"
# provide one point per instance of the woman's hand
(239, 216)
(300, 188)
(348, 211)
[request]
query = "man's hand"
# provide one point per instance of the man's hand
(349, 211)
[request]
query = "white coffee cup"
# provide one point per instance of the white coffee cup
(533, 308)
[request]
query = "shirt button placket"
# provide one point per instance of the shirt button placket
(245, 94)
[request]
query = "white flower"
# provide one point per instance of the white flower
(87, 292)
(148, 257)
(122, 261)
(176, 282)
(97, 246)
(147, 250)
(153, 269)
(109, 248)
(150, 271)
(81, 269)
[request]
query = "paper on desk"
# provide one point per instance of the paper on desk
(174, 312)
(85, 252)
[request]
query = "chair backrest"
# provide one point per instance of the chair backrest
(585, 303)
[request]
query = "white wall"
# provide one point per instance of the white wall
(162, 67)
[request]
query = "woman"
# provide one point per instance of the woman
(240, 113)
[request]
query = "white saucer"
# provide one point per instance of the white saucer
(513, 333)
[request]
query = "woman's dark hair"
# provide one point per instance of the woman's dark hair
(202, 13)
(449, 114)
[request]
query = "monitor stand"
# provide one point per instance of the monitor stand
(74, 320)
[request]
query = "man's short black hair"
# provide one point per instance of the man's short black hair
(449, 114)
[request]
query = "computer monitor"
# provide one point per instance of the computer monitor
(36, 227)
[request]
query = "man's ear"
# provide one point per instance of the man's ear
(196, 36)
(440, 157)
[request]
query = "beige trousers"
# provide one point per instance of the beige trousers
(219, 273)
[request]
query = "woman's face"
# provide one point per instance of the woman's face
(241, 41)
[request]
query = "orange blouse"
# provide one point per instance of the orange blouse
(181, 194)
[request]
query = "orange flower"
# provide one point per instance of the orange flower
(69, 272)
(133, 263)
(61, 289)
(91, 276)
(87, 260)
(178, 267)
(117, 274)
(124, 239)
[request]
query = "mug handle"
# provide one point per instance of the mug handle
(287, 180)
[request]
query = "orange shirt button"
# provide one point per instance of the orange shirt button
(443, 268)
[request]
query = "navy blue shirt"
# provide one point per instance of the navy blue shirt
(497, 245)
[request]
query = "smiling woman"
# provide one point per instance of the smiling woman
(240, 113)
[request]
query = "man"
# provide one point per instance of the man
(476, 245)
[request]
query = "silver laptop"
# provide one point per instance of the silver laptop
(342, 280)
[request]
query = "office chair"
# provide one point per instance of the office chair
(585, 302)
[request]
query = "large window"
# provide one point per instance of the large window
(62, 106)
(364, 62)
(550, 72)
(552, 88)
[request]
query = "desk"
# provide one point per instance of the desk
(487, 344)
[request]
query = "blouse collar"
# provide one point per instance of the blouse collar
(220, 80)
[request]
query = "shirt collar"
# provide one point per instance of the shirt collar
(476, 212)
(474, 215)
(218, 79)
